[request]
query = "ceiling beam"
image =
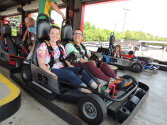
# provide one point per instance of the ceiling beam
(22, 2)
(17, 1)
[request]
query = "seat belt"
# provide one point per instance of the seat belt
(79, 49)
(6, 45)
(51, 53)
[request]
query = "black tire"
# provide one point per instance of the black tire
(137, 67)
(26, 74)
(92, 109)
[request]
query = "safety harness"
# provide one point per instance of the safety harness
(51, 53)
(6, 44)
(79, 49)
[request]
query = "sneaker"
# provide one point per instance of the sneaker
(27, 61)
(121, 83)
(100, 86)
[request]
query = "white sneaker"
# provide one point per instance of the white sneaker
(27, 61)
(100, 86)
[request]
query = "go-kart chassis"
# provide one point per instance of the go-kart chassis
(122, 112)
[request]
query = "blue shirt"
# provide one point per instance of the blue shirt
(33, 29)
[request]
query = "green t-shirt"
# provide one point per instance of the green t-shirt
(44, 7)
(71, 48)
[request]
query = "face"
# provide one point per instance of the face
(117, 48)
(29, 23)
(78, 36)
(54, 35)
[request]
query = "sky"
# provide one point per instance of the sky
(141, 15)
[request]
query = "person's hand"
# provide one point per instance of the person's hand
(93, 62)
(29, 47)
(83, 60)
(52, 21)
(63, 17)
(55, 75)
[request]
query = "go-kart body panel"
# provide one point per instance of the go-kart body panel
(119, 62)
(43, 78)
(4, 56)
(11, 59)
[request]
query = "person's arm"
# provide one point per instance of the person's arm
(25, 34)
(68, 64)
(70, 48)
(41, 61)
(56, 8)
(65, 55)
(114, 54)
(89, 55)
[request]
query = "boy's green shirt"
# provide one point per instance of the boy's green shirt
(44, 7)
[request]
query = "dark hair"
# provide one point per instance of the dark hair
(54, 27)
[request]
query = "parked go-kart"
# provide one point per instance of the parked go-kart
(116, 100)
(145, 65)
(130, 61)
(10, 51)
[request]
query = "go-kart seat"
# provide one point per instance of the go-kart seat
(51, 83)
(43, 27)
(66, 32)
(6, 32)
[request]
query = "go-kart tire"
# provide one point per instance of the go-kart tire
(137, 67)
(92, 109)
(26, 74)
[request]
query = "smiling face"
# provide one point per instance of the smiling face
(78, 36)
(54, 35)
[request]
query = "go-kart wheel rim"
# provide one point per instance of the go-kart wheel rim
(89, 110)
(25, 74)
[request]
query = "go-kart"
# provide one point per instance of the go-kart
(146, 65)
(127, 61)
(119, 101)
(10, 51)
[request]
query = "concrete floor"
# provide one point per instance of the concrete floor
(153, 111)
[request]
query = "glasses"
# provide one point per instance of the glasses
(79, 34)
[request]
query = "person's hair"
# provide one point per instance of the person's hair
(29, 19)
(119, 49)
(54, 27)
(79, 30)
